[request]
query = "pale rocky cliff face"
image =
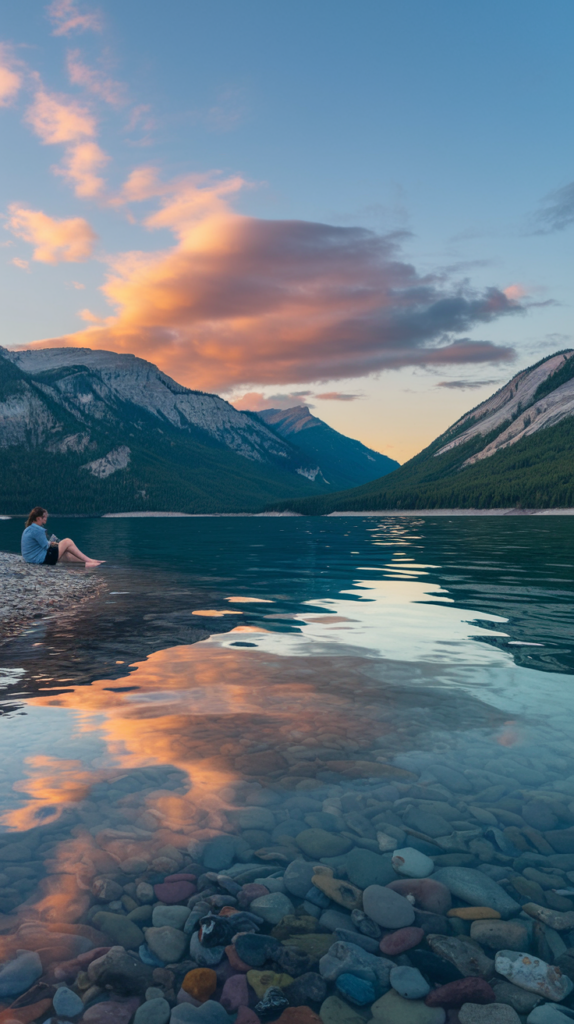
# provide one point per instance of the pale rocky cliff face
(516, 402)
(129, 379)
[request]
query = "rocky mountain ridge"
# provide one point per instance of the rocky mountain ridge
(130, 379)
(344, 461)
(512, 451)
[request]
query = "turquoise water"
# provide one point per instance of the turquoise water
(244, 660)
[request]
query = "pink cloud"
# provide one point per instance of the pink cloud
(22, 264)
(10, 78)
(338, 396)
(55, 241)
(95, 81)
(66, 18)
(79, 167)
(58, 119)
(240, 302)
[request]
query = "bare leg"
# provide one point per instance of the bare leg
(67, 547)
(69, 557)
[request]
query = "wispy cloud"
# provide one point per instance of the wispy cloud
(22, 264)
(80, 166)
(464, 385)
(56, 241)
(57, 119)
(67, 18)
(10, 77)
(557, 211)
(240, 301)
(95, 81)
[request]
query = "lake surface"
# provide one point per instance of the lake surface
(303, 666)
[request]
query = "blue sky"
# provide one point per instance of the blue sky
(442, 128)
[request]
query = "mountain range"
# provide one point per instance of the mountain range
(84, 431)
(515, 450)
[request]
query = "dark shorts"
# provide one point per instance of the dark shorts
(52, 555)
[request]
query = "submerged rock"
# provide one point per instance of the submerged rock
(533, 974)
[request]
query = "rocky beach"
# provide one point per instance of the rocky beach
(34, 592)
(332, 882)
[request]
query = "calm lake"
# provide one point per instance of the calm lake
(332, 674)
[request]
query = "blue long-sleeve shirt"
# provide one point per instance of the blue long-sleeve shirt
(34, 544)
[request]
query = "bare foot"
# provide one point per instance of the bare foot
(92, 561)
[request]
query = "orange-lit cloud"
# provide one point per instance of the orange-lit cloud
(55, 241)
(22, 264)
(58, 119)
(95, 81)
(10, 78)
(242, 301)
(338, 396)
(80, 166)
(67, 19)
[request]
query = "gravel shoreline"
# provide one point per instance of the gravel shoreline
(32, 592)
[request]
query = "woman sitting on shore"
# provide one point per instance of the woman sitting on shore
(37, 548)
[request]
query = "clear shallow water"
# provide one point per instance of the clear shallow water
(242, 661)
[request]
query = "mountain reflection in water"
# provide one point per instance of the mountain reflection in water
(372, 647)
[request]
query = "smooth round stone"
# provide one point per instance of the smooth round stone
(235, 993)
(66, 1003)
(272, 907)
(219, 853)
(200, 983)
(307, 988)
(335, 1011)
(254, 818)
(520, 1000)
(412, 863)
(167, 943)
(144, 892)
(153, 1011)
(431, 896)
(175, 917)
(20, 974)
(409, 982)
(174, 892)
(245, 1015)
(500, 935)
(298, 877)
(249, 892)
(261, 981)
(533, 974)
(550, 1013)
(387, 908)
(401, 940)
(393, 1009)
(120, 930)
(356, 990)
(474, 913)
(110, 1012)
(467, 990)
(478, 889)
(364, 868)
(298, 1015)
(208, 1013)
(134, 866)
(316, 842)
(496, 1013)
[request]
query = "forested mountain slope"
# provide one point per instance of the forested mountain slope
(344, 462)
(514, 450)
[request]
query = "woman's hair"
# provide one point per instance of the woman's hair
(35, 514)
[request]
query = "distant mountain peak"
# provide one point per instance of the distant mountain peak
(291, 421)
